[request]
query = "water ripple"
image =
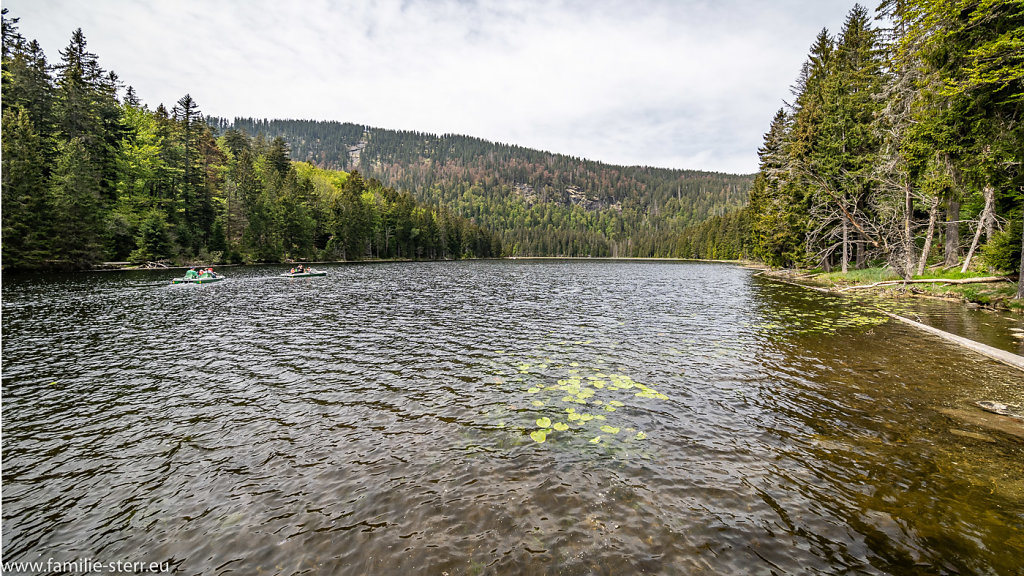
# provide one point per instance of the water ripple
(378, 420)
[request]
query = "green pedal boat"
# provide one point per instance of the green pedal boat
(206, 280)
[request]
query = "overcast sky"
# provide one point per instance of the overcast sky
(669, 83)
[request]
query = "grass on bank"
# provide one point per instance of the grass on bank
(995, 295)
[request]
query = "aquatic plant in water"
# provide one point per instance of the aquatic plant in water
(579, 400)
(817, 319)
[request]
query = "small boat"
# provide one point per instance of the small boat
(306, 274)
(206, 280)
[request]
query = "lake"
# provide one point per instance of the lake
(496, 417)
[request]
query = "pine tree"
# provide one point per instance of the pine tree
(27, 213)
(776, 221)
(75, 196)
(86, 110)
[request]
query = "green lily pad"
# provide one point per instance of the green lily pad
(561, 426)
(533, 390)
(595, 440)
(544, 422)
(641, 436)
(539, 436)
(609, 429)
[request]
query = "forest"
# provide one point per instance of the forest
(540, 203)
(91, 178)
(902, 146)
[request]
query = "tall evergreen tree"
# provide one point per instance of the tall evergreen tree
(75, 193)
(86, 109)
(27, 213)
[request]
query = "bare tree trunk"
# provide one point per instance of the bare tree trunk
(952, 247)
(932, 214)
(986, 214)
(1020, 280)
(846, 247)
(908, 238)
(862, 256)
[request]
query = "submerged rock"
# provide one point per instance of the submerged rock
(993, 422)
(998, 408)
(973, 435)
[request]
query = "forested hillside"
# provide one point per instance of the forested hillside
(902, 145)
(89, 177)
(541, 204)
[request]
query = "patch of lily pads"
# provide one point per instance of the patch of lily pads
(816, 319)
(575, 401)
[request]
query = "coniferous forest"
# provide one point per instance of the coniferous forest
(903, 144)
(89, 177)
(542, 204)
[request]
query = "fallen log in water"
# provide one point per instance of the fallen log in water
(1008, 358)
(981, 280)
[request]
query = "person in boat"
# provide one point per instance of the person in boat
(300, 269)
(191, 273)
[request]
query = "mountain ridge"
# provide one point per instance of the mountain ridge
(543, 203)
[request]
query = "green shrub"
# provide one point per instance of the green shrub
(1002, 251)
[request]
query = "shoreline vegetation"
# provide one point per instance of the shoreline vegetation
(997, 292)
(114, 266)
(900, 148)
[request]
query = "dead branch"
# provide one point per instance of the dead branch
(981, 280)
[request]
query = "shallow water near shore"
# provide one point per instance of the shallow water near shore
(998, 328)
(496, 417)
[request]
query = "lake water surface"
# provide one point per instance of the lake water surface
(496, 417)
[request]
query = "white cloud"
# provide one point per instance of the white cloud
(682, 84)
